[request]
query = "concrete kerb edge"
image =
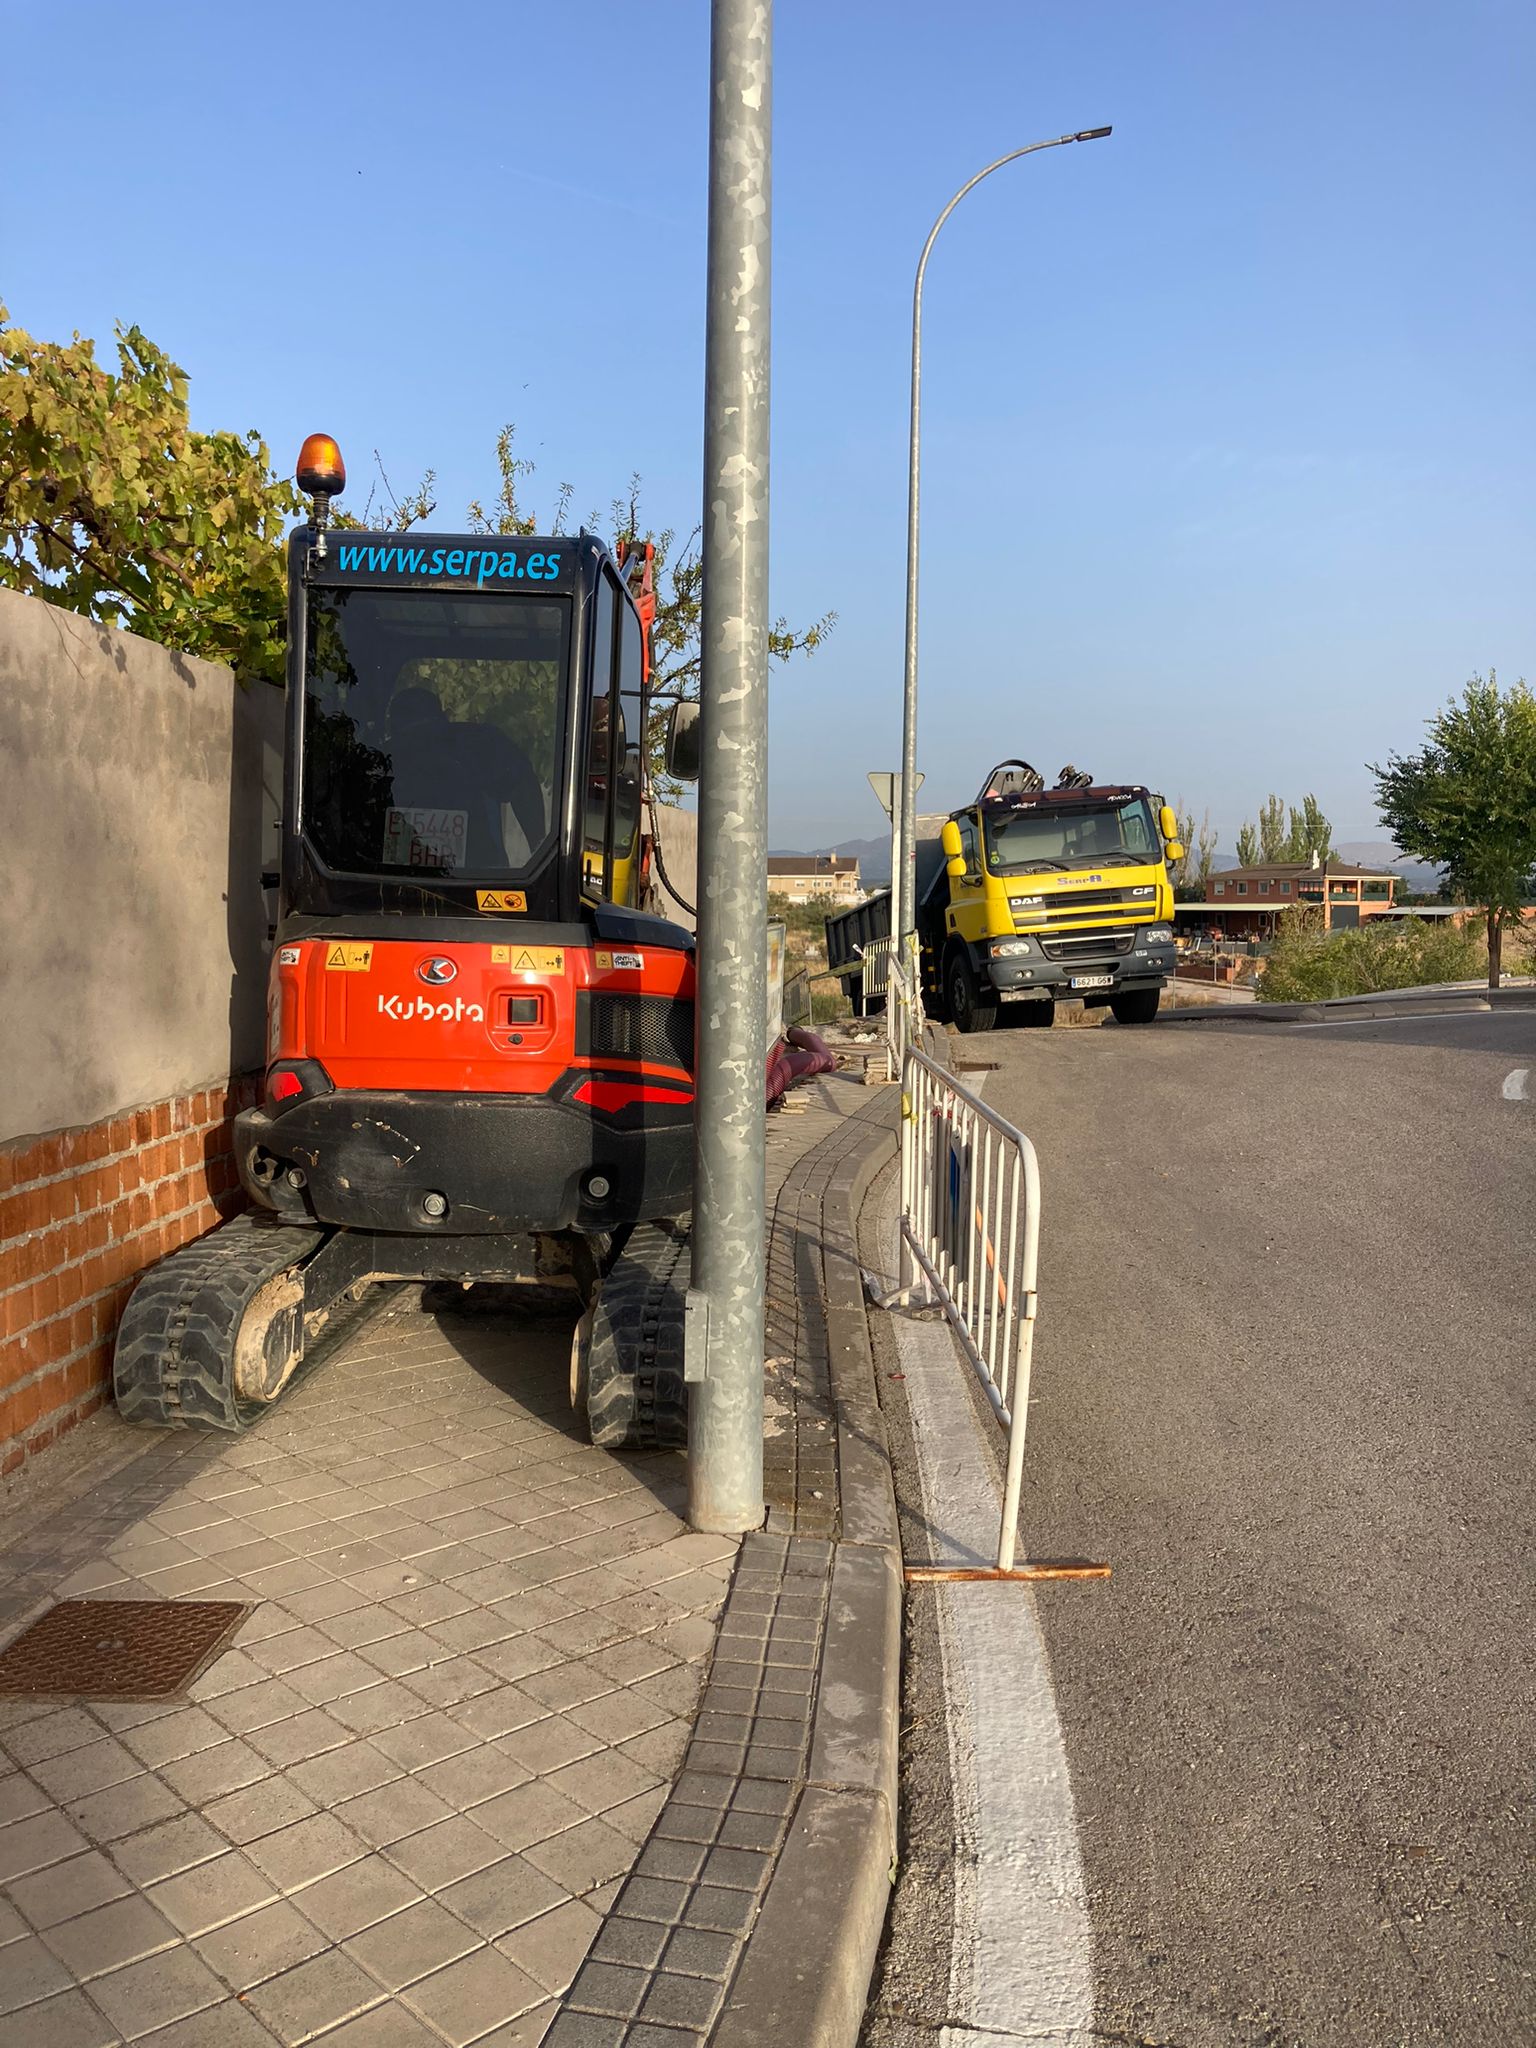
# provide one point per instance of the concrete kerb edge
(1409, 1003)
(811, 1955)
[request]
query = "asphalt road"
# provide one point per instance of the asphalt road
(1284, 1383)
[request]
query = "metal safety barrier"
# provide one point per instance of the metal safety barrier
(874, 970)
(970, 1227)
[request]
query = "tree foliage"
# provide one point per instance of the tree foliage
(1467, 801)
(1191, 874)
(1285, 832)
(112, 505)
(1309, 964)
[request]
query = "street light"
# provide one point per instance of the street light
(904, 880)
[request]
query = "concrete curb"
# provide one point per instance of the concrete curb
(753, 1915)
(808, 1966)
(1410, 1002)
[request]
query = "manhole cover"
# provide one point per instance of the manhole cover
(118, 1649)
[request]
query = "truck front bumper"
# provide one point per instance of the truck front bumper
(1020, 978)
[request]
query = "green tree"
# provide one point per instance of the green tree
(1193, 872)
(1310, 832)
(1272, 829)
(1467, 800)
(1285, 833)
(112, 505)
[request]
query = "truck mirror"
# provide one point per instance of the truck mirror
(1175, 849)
(949, 839)
(1168, 822)
(954, 867)
(683, 742)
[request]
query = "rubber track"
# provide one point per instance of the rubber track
(636, 1396)
(174, 1363)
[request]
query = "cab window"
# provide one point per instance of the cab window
(594, 848)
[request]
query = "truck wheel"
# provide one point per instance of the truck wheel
(1136, 1006)
(969, 1010)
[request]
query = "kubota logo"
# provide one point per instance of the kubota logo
(436, 971)
(457, 1012)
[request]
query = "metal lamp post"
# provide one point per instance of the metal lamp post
(904, 880)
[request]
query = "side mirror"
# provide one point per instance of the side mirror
(684, 741)
(1176, 849)
(1168, 823)
(949, 839)
(955, 866)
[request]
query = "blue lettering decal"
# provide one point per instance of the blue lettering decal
(487, 567)
(506, 565)
(536, 566)
(435, 568)
(348, 557)
(551, 568)
(455, 564)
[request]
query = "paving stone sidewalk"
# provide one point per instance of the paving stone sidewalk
(397, 1811)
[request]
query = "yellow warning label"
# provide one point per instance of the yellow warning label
(531, 959)
(501, 899)
(348, 959)
(602, 961)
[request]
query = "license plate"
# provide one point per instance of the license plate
(1093, 981)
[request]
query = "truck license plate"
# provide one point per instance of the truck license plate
(1093, 981)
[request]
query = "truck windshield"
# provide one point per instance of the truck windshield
(432, 730)
(1073, 836)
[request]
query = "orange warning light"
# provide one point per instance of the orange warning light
(321, 471)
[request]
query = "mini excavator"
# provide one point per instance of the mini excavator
(480, 1032)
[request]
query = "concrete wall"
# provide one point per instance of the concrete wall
(139, 791)
(139, 794)
(679, 832)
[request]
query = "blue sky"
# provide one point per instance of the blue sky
(1229, 419)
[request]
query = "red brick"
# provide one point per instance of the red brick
(28, 1260)
(119, 1135)
(16, 1310)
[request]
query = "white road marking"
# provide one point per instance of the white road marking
(1514, 1089)
(1021, 1967)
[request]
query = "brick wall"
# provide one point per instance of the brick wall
(82, 1214)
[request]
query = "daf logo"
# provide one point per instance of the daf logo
(437, 971)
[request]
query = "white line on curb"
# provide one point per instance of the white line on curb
(1515, 1085)
(1021, 1968)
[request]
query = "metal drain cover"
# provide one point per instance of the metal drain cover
(118, 1649)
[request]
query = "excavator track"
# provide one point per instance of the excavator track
(212, 1333)
(630, 1347)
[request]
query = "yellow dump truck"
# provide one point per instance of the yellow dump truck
(1032, 896)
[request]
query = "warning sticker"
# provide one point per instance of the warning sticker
(606, 962)
(530, 959)
(501, 899)
(287, 956)
(345, 958)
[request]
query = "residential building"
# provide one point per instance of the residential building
(815, 878)
(1246, 902)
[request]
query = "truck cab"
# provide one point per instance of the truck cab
(1038, 896)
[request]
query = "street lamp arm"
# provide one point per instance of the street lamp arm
(904, 876)
(1029, 149)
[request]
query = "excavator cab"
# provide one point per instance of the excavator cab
(480, 1041)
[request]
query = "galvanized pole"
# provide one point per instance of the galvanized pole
(725, 1417)
(907, 893)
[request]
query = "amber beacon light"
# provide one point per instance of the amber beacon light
(321, 473)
